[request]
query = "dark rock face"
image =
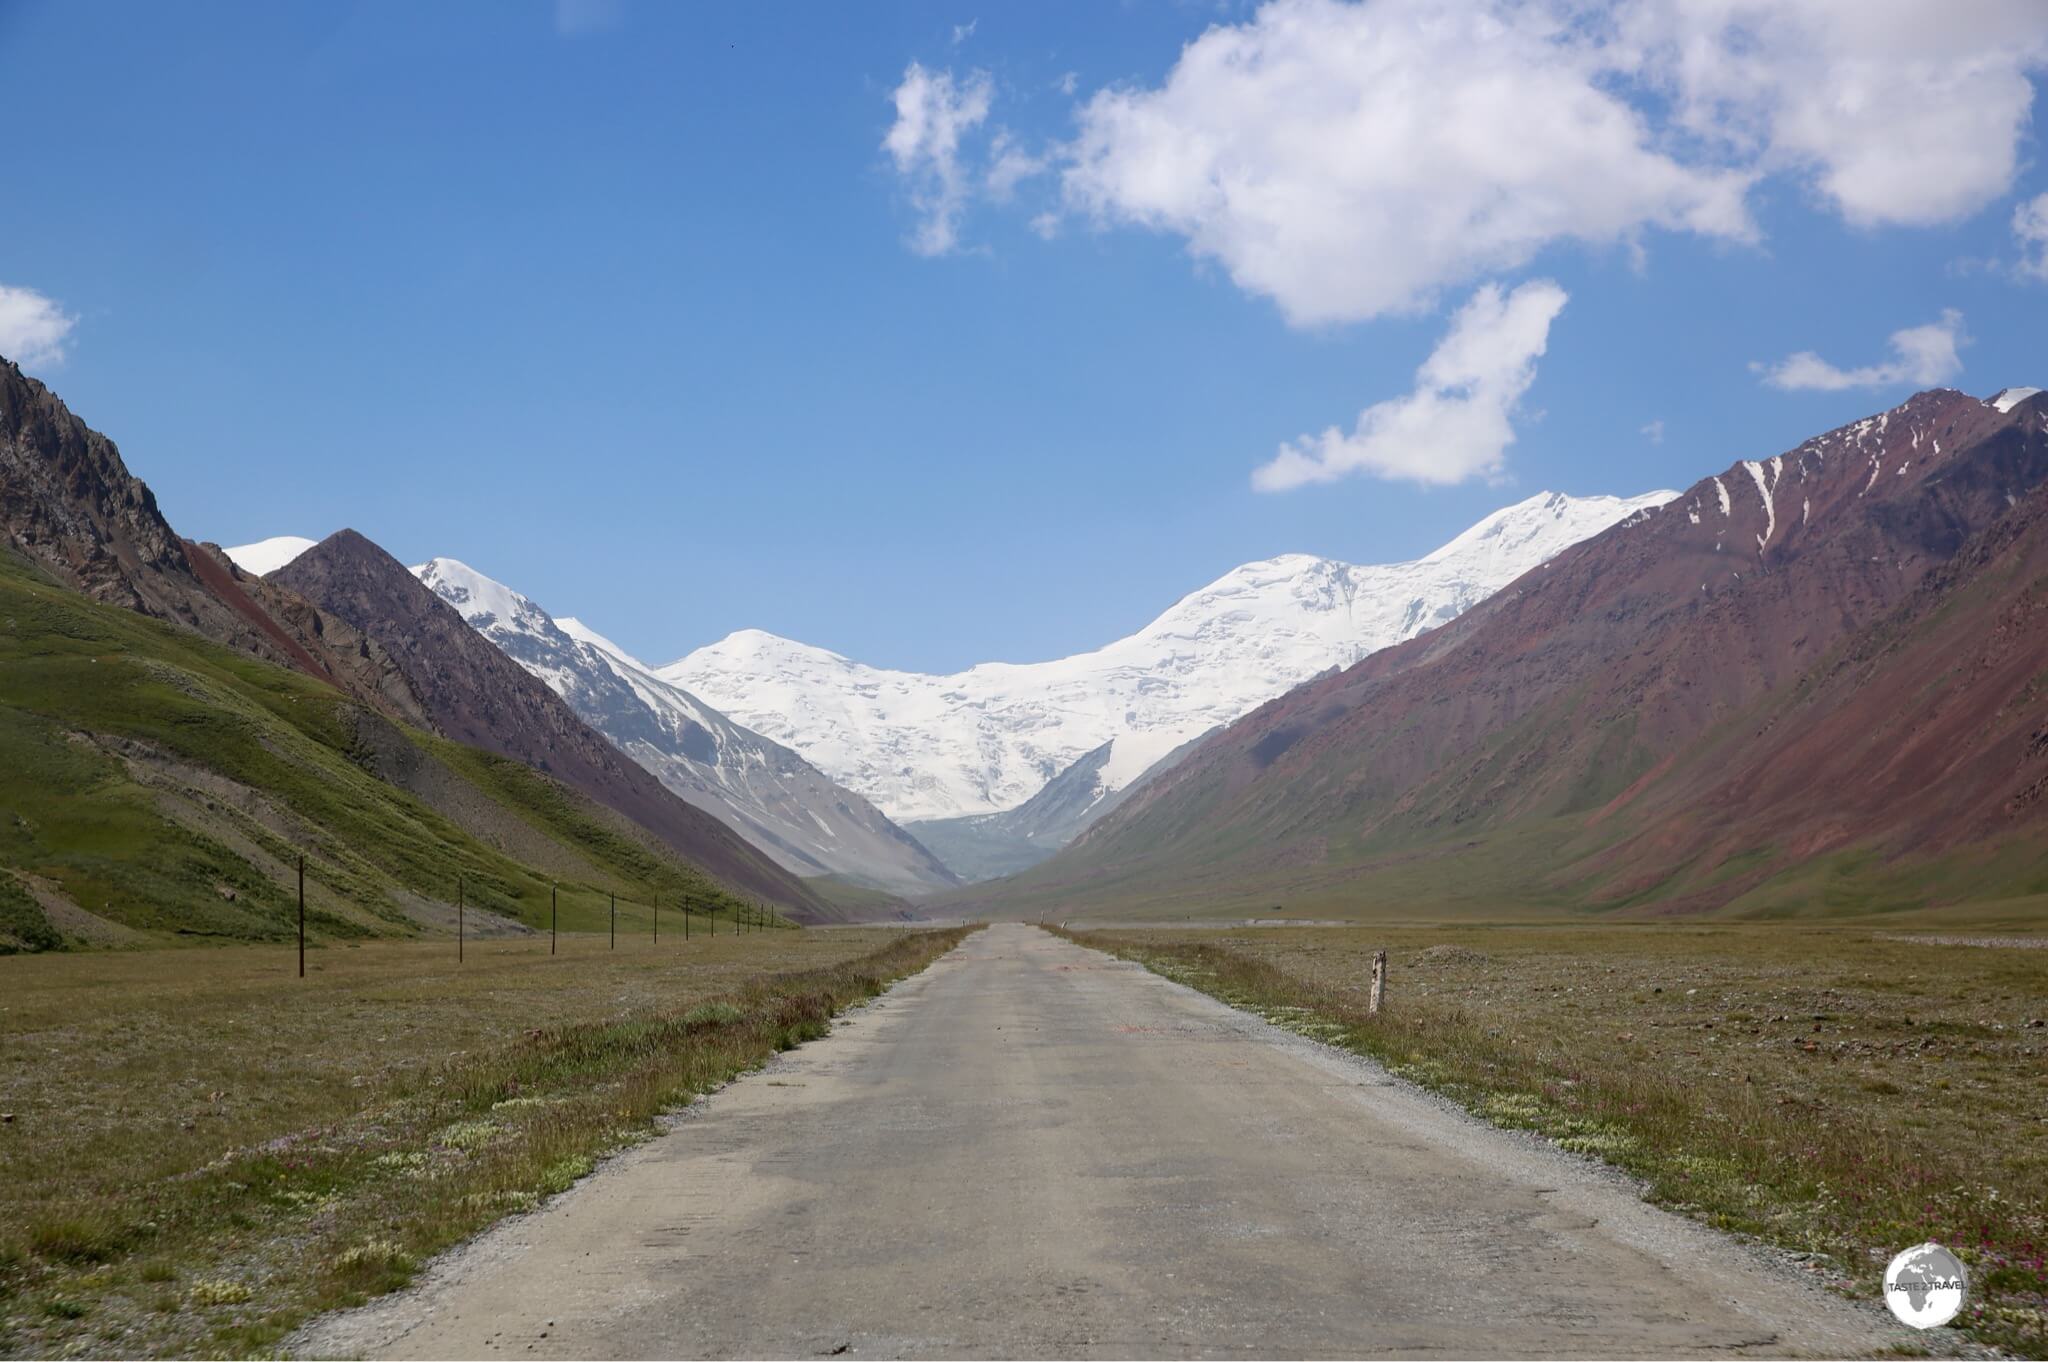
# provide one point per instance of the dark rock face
(69, 504)
(1676, 687)
(472, 692)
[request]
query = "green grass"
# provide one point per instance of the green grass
(23, 926)
(167, 786)
(1831, 1091)
(204, 1153)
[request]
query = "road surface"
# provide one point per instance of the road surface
(1034, 1150)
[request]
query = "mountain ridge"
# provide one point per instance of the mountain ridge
(477, 696)
(986, 739)
(763, 790)
(1576, 737)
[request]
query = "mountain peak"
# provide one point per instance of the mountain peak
(477, 598)
(988, 738)
(761, 790)
(266, 556)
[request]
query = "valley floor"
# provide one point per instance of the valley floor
(1032, 1149)
(200, 1147)
(1842, 1093)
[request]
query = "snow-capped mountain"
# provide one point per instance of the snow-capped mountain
(987, 739)
(764, 791)
(266, 556)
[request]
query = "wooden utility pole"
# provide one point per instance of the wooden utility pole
(553, 892)
(458, 919)
(615, 921)
(657, 918)
(302, 917)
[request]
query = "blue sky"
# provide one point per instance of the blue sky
(629, 306)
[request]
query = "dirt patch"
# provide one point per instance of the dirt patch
(74, 922)
(2012, 943)
(1451, 955)
(440, 917)
(383, 749)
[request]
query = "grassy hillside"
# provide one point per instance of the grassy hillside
(162, 787)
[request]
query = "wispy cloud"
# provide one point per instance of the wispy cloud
(962, 32)
(2030, 230)
(1456, 423)
(33, 329)
(933, 113)
(1922, 356)
(575, 18)
(1653, 432)
(1009, 166)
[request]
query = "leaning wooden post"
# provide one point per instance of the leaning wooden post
(1378, 997)
(302, 917)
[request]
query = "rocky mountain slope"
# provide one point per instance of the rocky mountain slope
(475, 694)
(1811, 681)
(69, 505)
(770, 795)
(176, 734)
(985, 740)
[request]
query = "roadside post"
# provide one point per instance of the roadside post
(1378, 997)
(458, 919)
(302, 917)
(615, 921)
(554, 892)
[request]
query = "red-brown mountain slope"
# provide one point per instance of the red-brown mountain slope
(1614, 726)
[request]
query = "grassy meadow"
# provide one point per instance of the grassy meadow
(1843, 1093)
(202, 1149)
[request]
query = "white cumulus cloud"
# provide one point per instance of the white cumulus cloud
(2030, 229)
(1351, 158)
(1348, 160)
(1456, 423)
(33, 329)
(933, 113)
(1922, 356)
(1896, 111)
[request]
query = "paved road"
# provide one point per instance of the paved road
(1033, 1150)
